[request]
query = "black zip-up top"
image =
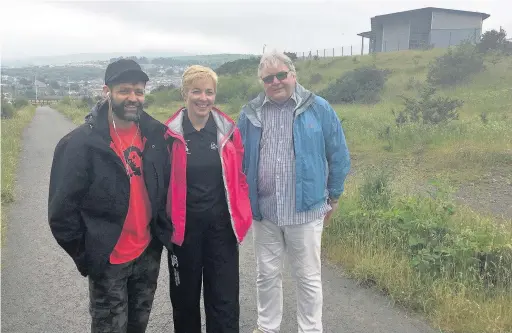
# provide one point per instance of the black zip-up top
(90, 190)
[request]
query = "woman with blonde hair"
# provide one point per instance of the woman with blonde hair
(208, 202)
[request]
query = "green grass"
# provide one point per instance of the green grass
(73, 112)
(12, 130)
(400, 229)
(424, 252)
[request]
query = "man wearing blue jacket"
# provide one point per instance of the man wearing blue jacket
(296, 160)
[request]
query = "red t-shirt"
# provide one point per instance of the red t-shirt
(135, 235)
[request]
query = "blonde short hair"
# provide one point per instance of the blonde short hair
(194, 73)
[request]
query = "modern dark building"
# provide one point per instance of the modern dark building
(424, 27)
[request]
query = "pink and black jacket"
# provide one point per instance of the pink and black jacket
(235, 183)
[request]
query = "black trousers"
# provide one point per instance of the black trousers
(122, 297)
(209, 254)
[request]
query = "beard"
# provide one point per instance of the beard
(120, 112)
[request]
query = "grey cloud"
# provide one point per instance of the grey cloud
(289, 25)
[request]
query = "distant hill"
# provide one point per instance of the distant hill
(92, 57)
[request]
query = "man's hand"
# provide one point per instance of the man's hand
(327, 218)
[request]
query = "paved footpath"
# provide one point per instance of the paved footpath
(43, 292)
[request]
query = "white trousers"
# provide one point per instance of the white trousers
(302, 244)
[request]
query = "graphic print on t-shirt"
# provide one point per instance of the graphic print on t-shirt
(135, 234)
(133, 158)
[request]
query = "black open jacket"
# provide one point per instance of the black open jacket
(89, 190)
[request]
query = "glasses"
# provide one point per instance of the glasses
(280, 76)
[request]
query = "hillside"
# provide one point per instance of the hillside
(460, 152)
(426, 215)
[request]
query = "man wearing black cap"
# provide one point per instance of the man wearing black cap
(107, 197)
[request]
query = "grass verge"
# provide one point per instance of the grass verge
(71, 110)
(12, 129)
(427, 254)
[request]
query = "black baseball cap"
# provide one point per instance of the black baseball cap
(124, 70)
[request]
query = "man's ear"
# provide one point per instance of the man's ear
(106, 91)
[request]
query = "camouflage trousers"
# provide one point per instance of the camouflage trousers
(121, 298)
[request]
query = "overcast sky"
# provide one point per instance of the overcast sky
(64, 27)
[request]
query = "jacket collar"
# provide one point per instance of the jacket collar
(188, 128)
(225, 126)
(303, 98)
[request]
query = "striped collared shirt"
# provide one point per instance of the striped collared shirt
(276, 171)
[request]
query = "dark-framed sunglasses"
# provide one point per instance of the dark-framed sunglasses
(280, 76)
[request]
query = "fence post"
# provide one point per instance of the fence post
(303, 56)
(333, 52)
(450, 40)
(324, 53)
(342, 51)
(398, 45)
(351, 54)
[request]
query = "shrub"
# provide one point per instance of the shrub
(493, 40)
(455, 65)
(362, 85)
(20, 102)
(66, 100)
(7, 109)
(85, 102)
(149, 100)
(427, 109)
(291, 55)
(315, 78)
(164, 97)
(413, 84)
(235, 87)
(375, 191)
(239, 65)
(164, 88)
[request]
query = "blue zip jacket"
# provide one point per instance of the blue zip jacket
(322, 159)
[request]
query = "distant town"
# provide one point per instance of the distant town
(86, 79)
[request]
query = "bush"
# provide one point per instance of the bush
(163, 97)
(375, 191)
(20, 102)
(7, 110)
(315, 78)
(237, 66)
(456, 65)
(66, 100)
(231, 87)
(164, 88)
(291, 55)
(149, 100)
(362, 85)
(493, 40)
(413, 84)
(427, 109)
(85, 102)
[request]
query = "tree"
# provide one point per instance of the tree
(54, 84)
(7, 108)
(291, 55)
(493, 40)
(24, 81)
